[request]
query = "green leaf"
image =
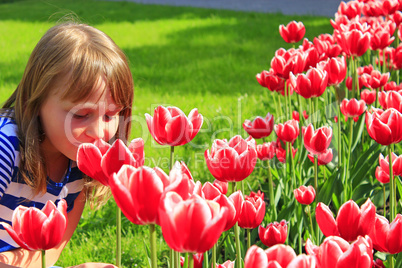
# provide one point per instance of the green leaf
(357, 135)
(364, 164)
(148, 253)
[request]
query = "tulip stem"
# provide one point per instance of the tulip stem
(171, 157)
(311, 224)
(349, 154)
(391, 186)
(237, 236)
(118, 237)
(43, 258)
(292, 168)
(316, 173)
(177, 259)
(271, 191)
(248, 238)
(339, 127)
(152, 237)
(191, 260)
(238, 250)
(206, 260)
(385, 200)
(172, 253)
(214, 255)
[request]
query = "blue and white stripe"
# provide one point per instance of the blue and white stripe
(14, 191)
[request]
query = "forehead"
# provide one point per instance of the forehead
(98, 95)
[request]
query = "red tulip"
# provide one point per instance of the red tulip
(338, 253)
(233, 160)
(198, 260)
(293, 32)
(100, 160)
(233, 203)
(317, 142)
(385, 236)
(281, 153)
(181, 181)
(335, 68)
(323, 158)
(389, 7)
(221, 185)
(368, 96)
(274, 233)
(288, 131)
(259, 127)
(138, 192)
(226, 264)
(380, 39)
(372, 9)
(354, 42)
(390, 99)
(396, 164)
(311, 84)
(327, 48)
(352, 108)
(252, 212)
(266, 151)
(304, 195)
(283, 63)
(35, 229)
(381, 175)
(193, 225)
(349, 83)
(255, 257)
(351, 9)
(351, 221)
(280, 256)
(397, 58)
(384, 127)
(378, 264)
(170, 126)
(375, 79)
(396, 18)
(271, 81)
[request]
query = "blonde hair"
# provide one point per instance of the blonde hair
(83, 54)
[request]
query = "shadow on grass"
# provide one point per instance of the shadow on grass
(221, 58)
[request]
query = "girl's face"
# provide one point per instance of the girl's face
(67, 124)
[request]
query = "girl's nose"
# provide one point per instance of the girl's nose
(96, 130)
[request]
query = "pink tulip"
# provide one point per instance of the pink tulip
(354, 42)
(100, 160)
(338, 253)
(351, 221)
(396, 164)
(271, 81)
(336, 70)
(35, 229)
(170, 126)
(138, 192)
(368, 96)
(317, 142)
(385, 236)
(381, 175)
(252, 211)
(233, 203)
(353, 108)
(351, 9)
(266, 151)
(384, 126)
(233, 160)
(280, 256)
(288, 131)
(375, 79)
(284, 63)
(274, 233)
(323, 158)
(304, 195)
(390, 99)
(259, 127)
(193, 225)
(293, 32)
(226, 264)
(198, 260)
(255, 257)
(309, 85)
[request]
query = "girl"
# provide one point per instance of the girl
(77, 88)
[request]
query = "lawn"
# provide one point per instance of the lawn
(179, 56)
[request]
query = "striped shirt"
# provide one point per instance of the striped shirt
(14, 191)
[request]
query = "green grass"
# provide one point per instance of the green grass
(181, 56)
